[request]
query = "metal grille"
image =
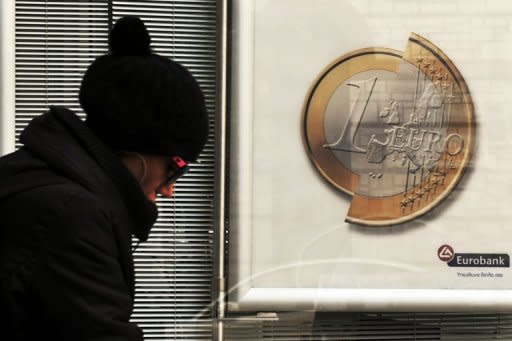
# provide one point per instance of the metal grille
(55, 42)
(375, 327)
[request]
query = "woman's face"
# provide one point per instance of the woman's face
(158, 171)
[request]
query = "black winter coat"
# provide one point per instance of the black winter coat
(68, 209)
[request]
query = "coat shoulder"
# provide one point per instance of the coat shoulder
(64, 210)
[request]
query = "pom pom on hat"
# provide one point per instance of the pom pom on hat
(129, 37)
(140, 101)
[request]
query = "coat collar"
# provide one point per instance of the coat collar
(99, 169)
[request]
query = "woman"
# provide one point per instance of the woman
(76, 192)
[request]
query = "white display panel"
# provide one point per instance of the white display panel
(290, 247)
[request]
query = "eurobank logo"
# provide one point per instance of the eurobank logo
(447, 254)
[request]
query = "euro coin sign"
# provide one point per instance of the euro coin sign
(392, 129)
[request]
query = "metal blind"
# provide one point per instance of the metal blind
(55, 42)
(375, 327)
(174, 268)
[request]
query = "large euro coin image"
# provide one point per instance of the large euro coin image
(394, 130)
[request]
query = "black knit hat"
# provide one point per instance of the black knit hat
(136, 100)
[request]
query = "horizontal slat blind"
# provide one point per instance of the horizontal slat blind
(174, 268)
(377, 327)
(55, 42)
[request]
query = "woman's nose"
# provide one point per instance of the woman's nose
(167, 191)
